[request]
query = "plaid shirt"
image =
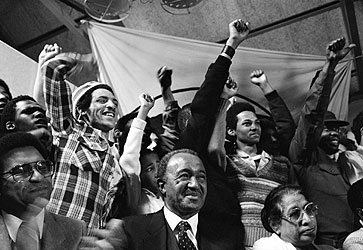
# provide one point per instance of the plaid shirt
(86, 167)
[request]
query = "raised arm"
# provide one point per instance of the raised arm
(49, 51)
(206, 101)
(317, 101)
(285, 125)
(171, 132)
(57, 92)
(130, 158)
(216, 148)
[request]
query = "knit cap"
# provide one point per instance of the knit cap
(86, 88)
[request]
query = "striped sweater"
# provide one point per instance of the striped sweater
(252, 184)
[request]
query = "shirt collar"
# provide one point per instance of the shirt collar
(174, 219)
(13, 223)
(263, 154)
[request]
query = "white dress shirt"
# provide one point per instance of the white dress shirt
(173, 220)
(13, 223)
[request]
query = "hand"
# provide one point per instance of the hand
(238, 32)
(146, 101)
(230, 88)
(105, 239)
(335, 51)
(44, 135)
(49, 51)
(258, 78)
(164, 77)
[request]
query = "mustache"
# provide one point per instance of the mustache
(194, 192)
(40, 187)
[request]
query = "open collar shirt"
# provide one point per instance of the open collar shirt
(13, 223)
(86, 168)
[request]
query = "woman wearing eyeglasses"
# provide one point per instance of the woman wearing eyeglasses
(291, 220)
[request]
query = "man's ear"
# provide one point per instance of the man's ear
(10, 126)
(161, 186)
(231, 132)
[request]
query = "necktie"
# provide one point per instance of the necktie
(184, 241)
(27, 237)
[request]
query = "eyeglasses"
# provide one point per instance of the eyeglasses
(296, 214)
(25, 171)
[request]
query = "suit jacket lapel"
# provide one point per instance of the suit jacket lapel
(53, 236)
(160, 234)
(5, 241)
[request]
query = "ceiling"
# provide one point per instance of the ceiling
(301, 26)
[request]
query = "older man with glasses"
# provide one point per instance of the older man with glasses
(25, 188)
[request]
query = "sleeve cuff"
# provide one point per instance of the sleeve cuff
(272, 95)
(171, 105)
(223, 61)
(138, 123)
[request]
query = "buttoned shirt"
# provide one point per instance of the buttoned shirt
(262, 159)
(13, 223)
(86, 168)
(173, 220)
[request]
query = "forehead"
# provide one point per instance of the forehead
(148, 158)
(26, 104)
(246, 115)
(292, 200)
(185, 161)
(20, 156)
(102, 92)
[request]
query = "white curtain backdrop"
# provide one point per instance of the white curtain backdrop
(17, 70)
(128, 60)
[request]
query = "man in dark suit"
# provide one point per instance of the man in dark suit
(25, 188)
(183, 184)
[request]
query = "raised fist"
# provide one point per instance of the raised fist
(164, 77)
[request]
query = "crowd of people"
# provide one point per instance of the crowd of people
(214, 174)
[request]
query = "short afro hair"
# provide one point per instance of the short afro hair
(234, 110)
(16, 140)
(10, 110)
(355, 196)
(6, 87)
(163, 164)
(357, 125)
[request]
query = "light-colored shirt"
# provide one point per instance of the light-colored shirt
(262, 159)
(13, 223)
(149, 202)
(274, 242)
(173, 220)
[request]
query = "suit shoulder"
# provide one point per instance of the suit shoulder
(139, 221)
(70, 223)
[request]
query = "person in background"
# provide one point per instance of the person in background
(351, 157)
(291, 219)
(251, 174)
(23, 113)
(141, 161)
(315, 152)
(221, 203)
(5, 95)
(354, 241)
(278, 130)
